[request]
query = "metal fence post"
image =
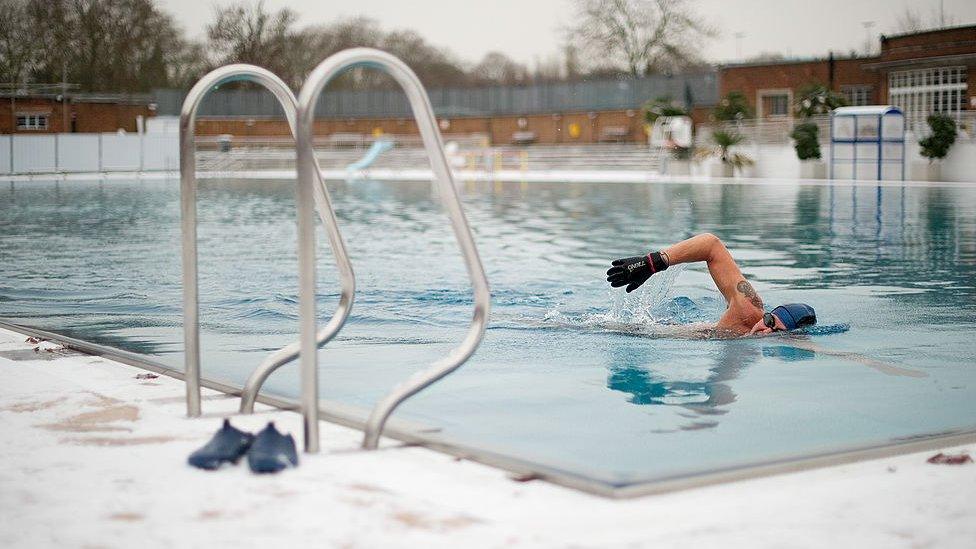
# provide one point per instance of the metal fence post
(57, 153)
(99, 153)
(12, 152)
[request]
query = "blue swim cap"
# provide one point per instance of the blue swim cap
(796, 315)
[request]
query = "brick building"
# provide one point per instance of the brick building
(920, 72)
(570, 112)
(80, 113)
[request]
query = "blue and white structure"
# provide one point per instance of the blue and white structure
(867, 143)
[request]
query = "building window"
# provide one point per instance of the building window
(31, 121)
(924, 91)
(774, 103)
(858, 95)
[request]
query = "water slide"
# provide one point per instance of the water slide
(379, 147)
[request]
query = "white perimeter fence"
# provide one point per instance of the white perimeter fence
(88, 152)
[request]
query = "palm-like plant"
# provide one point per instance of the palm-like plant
(724, 141)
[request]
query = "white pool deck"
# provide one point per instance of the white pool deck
(94, 456)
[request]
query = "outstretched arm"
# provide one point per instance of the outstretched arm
(725, 272)
(634, 271)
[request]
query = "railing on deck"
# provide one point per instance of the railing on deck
(423, 113)
(301, 120)
(310, 189)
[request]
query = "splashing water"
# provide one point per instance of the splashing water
(642, 306)
(649, 312)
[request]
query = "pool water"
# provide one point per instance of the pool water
(596, 384)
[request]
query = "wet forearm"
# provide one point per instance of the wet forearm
(700, 247)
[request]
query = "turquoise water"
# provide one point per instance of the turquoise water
(618, 389)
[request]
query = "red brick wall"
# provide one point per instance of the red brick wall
(954, 41)
(937, 43)
(750, 79)
(88, 117)
(103, 117)
(549, 128)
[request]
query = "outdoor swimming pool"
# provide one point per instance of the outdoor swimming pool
(611, 389)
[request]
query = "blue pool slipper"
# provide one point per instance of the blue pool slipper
(272, 451)
(228, 445)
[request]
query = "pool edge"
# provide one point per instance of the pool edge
(413, 433)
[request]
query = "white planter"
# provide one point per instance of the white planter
(813, 169)
(721, 169)
(926, 171)
(679, 167)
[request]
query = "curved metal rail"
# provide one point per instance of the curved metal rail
(429, 132)
(308, 189)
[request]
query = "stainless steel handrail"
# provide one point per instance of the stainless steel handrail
(430, 133)
(308, 189)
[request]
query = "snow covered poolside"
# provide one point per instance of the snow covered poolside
(94, 455)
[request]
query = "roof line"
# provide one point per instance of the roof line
(885, 37)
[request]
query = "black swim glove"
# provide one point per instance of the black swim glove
(634, 271)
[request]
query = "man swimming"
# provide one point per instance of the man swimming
(745, 313)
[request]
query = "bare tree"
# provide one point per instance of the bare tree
(766, 56)
(498, 68)
(571, 60)
(186, 64)
(434, 66)
(643, 36)
(248, 33)
(549, 68)
(103, 45)
(309, 46)
(912, 20)
(16, 41)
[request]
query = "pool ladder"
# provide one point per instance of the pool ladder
(300, 113)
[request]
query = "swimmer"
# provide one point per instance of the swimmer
(745, 314)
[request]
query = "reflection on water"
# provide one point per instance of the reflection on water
(787, 353)
(709, 397)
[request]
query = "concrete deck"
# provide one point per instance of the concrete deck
(94, 455)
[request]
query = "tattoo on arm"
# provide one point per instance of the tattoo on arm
(747, 290)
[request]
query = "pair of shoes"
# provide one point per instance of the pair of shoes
(268, 452)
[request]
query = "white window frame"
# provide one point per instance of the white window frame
(920, 92)
(33, 121)
(858, 94)
(760, 94)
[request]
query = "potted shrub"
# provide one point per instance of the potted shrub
(662, 106)
(732, 108)
(814, 100)
(679, 162)
(935, 147)
(728, 161)
(806, 141)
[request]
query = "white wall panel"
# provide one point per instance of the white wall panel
(161, 152)
(78, 152)
(5, 166)
(34, 153)
(120, 153)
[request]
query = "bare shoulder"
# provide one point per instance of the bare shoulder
(745, 291)
(745, 309)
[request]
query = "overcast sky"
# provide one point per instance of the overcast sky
(531, 29)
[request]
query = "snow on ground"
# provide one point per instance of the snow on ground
(94, 455)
